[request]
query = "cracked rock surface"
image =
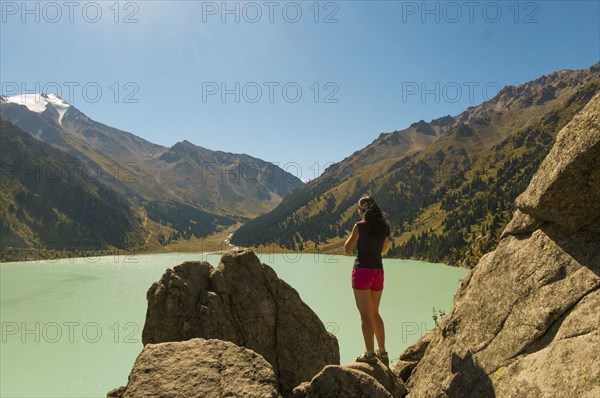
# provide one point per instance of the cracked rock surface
(525, 322)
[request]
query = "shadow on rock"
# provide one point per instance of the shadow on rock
(470, 380)
(583, 246)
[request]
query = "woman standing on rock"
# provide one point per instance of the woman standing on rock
(370, 236)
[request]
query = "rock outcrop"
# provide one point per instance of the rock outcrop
(199, 368)
(566, 188)
(244, 302)
(409, 359)
(355, 379)
(525, 322)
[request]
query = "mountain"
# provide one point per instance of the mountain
(222, 183)
(47, 204)
(181, 192)
(234, 184)
(447, 186)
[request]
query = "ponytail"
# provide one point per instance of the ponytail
(374, 217)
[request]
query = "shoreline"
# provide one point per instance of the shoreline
(216, 243)
(27, 255)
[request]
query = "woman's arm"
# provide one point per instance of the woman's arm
(351, 241)
(385, 246)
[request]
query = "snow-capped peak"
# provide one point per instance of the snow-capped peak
(38, 102)
(33, 102)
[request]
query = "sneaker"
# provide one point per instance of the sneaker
(367, 358)
(383, 357)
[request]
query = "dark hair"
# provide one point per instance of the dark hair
(373, 216)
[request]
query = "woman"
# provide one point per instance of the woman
(370, 236)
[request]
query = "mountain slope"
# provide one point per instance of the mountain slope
(447, 195)
(48, 204)
(145, 171)
(222, 182)
(178, 193)
(116, 157)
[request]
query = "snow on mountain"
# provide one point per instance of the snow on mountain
(39, 102)
(34, 102)
(59, 104)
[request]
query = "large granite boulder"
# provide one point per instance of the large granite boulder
(242, 301)
(566, 188)
(355, 379)
(199, 368)
(525, 322)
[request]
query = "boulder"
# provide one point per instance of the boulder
(416, 351)
(524, 323)
(566, 188)
(116, 392)
(410, 357)
(199, 368)
(384, 376)
(242, 301)
(403, 369)
(355, 379)
(520, 224)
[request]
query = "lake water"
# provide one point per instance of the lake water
(72, 327)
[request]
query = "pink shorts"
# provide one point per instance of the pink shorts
(367, 278)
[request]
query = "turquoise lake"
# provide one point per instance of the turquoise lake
(72, 327)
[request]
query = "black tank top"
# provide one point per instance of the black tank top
(368, 247)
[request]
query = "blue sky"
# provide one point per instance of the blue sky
(158, 69)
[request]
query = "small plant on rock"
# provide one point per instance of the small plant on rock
(438, 315)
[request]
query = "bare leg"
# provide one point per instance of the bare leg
(365, 307)
(378, 326)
